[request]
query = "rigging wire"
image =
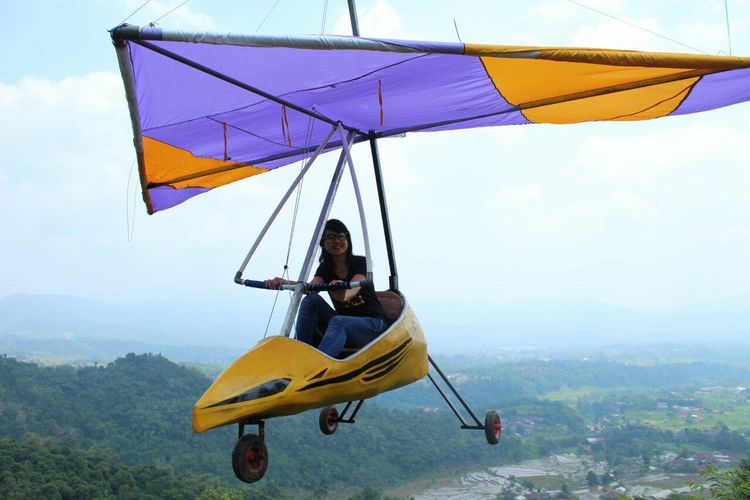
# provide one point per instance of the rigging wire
(267, 15)
(635, 26)
(729, 34)
(325, 14)
(165, 15)
(131, 230)
(308, 139)
(285, 274)
(455, 25)
(134, 12)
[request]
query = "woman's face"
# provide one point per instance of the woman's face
(335, 243)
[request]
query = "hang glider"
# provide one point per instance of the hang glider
(211, 109)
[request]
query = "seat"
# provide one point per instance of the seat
(392, 304)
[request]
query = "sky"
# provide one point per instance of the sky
(648, 217)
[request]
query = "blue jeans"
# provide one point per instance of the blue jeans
(317, 317)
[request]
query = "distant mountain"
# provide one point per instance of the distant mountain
(456, 327)
(81, 351)
(213, 331)
(492, 383)
(169, 322)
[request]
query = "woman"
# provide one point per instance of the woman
(358, 316)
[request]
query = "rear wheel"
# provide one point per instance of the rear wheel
(249, 458)
(492, 427)
(328, 420)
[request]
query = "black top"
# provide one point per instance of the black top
(365, 303)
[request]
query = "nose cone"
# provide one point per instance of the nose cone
(257, 384)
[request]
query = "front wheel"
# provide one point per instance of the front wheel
(328, 420)
(249, 458)
(492, 427)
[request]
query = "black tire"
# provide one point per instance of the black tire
(492, 427)
(328, 420)
(249, 458)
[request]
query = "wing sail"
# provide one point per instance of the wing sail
(211, 109)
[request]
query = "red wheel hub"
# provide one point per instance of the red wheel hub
(333, 416)
(254, 459)
(498, 427)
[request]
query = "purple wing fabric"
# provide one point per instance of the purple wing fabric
(213, 109)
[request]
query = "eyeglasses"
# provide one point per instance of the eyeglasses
(331, 237)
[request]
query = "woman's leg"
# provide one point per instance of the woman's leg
(349, 330)
(313, 317)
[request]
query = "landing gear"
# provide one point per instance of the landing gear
(328, 420)
(492, 426)
(250, 455)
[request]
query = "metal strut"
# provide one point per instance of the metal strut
(252, 421)
(342, 419)
(464, 425)
(393, 278)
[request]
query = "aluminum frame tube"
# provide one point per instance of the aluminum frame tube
(353, 18)
(393, 278)
(126, 71)
(322, 42)
(282, 203)
(360, 205)
(454, 391)
(286, 327)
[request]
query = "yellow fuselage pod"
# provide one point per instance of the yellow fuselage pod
(283, 376)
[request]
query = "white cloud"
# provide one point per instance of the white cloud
(648, 157)
(65, 161)
(615, 34)
(732, 235)
(69, 136)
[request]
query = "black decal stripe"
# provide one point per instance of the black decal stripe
(382, 373)
(354, 373)
(397, 359)
(372, 375)
(320, 374)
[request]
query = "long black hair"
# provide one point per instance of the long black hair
(336, 226)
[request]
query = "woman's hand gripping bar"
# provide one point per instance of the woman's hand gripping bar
(308, 287)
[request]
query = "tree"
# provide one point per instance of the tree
(367, 493)
(320, 493)
(592, 479)
(732, 484)
(506, 494)
(564, 491)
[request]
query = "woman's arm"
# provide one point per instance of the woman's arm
(275, 282)
(346, 295)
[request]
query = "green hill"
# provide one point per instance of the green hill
(48, 469)
(138, 407)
